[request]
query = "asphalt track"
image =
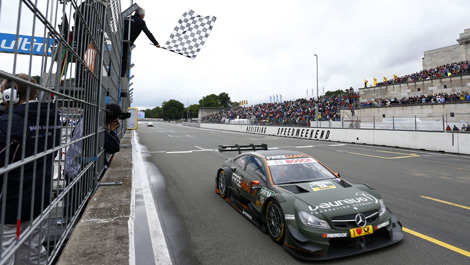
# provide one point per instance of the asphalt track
(428, 191)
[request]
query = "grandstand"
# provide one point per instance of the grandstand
(426, 100)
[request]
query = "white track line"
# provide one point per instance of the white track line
(160, 249)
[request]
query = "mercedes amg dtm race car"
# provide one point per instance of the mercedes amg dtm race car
(304, 206)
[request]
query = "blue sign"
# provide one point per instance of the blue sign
(8, 44)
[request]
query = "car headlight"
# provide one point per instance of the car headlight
(313, 221)
(383, 209)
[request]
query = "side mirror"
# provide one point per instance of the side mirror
(233, 169)
(337, 174)
(255, 185)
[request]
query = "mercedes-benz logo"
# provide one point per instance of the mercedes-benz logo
(360, 220)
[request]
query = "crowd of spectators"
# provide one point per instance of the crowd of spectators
(451, 69)
(299, 112)
(302, 111)
(419, 99)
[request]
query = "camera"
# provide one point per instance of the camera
(124, 115)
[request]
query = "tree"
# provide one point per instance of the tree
(224, 100)
(336, 93)
(193, 111)
(216, 101)
(156, 112)
(172, 109)
(211, 100)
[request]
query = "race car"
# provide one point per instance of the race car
(149, 124)
(303, 205)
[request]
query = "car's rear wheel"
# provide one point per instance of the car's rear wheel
(222, 184)
(275, 221)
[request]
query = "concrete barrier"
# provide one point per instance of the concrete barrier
(102, 234)
(433, 141)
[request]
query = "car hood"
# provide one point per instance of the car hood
(331, 198)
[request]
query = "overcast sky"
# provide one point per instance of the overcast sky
(259, 48)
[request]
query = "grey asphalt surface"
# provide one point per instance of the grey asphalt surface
(201, 228)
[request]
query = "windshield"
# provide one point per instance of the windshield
(297, 170)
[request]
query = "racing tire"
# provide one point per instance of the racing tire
(222, 184)
(275, 221)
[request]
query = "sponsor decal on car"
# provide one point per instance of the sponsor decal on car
(237, 179)
(289, 217)
(382, 225)
(361, 231)
(304, 160)
(264, 193)
(322, 185)
(362, 199)
(280, 157)
(335, 235)
(247, 215)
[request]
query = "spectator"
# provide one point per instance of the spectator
(464, 128)
(460, 68)
(455, 129)
(32, 132)
(448, 129)
(111, 140)
(137, 26)
(87, 19)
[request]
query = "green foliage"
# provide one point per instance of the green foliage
(336, 93)
(224, 100)
(193, 111)
(210, 101)
(156, 112)
(172, 110)
(216, 101)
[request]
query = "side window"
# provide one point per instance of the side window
(241, 162)
(255, 167)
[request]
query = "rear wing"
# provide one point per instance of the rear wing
(240, 148)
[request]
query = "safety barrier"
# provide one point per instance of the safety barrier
(433, 141)
(52, 153)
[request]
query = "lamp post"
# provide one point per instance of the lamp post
(316, 103)
(316, 59)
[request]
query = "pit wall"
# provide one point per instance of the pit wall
(458, 143)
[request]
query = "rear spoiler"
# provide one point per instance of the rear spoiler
(240, 148)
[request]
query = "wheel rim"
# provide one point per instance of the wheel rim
(274, 221)
(222, 184)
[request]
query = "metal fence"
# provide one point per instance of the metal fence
(52, 144)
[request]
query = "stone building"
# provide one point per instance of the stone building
(454, 53)
(433, 58)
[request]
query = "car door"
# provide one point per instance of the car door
(254, 179)
(238, 171)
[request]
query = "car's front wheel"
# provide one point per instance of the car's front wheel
(222, 184)
(275, 221)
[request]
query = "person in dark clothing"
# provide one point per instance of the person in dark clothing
(28, 190)
(137, 26)
(111, 139)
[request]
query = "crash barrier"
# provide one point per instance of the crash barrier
(433, 141)
(53, 157)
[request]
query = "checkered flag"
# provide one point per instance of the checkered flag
(190, 34)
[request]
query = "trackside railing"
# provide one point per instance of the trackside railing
(64, 59)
